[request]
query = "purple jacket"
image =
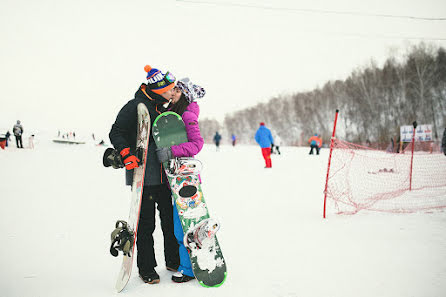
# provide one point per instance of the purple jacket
(195, 143)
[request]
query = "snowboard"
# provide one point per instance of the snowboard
(208, 264)
(131, 226)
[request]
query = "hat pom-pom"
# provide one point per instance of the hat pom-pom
(147, 68)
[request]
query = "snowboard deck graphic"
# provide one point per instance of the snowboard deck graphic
(142, 142)
(208, 263)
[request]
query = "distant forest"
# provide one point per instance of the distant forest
(373, 102)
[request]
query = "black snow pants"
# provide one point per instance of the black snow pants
(161, 196)
(314, 147)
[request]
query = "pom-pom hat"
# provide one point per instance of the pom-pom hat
(158, 82)
(190, 90)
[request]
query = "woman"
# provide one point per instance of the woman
(184, 103)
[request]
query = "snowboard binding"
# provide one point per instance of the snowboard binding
(201, 234)
(184, 166)
(112, 158)
(122, 239)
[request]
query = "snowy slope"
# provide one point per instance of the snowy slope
(59, 205)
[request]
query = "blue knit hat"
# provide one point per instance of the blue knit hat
(158, 82)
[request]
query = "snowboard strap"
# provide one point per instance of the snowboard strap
(121, 239)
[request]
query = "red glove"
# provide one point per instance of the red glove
(130, 161)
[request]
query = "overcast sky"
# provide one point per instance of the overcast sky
(74, 64)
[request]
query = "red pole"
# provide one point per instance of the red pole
(411, 159)
(329, 159)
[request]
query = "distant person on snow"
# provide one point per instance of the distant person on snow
(18, 131)
(184, 103)
(8, 137)
(31, 141)
(265, 140)
(217, 139)
(154, 94)
(315, 143)
(275, 147)
(233, 139)
(443, 142)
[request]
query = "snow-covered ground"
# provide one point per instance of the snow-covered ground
(59, 205)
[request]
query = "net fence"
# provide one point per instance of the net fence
(361, 178)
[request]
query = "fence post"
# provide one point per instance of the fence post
(411, 158)
(329, 159)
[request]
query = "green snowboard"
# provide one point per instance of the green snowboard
(208, 263)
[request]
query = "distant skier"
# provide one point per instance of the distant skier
(233, 139)
(156, 192)
(31, 141)
(217, 139)
(275, 147)
(184, 103)
(443, 142)
(315, 143)
(8, 137)
(264, 138)
(18, 131)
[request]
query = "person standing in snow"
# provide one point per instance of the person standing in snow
(315, 143)
(31, 141)
(264, 138)
(217, 139)
(276, 145)
(234, 139)
(443, 142)
(154, 94)
(184, 103)
(18, 131)
(7, 136)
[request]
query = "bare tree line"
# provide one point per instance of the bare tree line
(373, 102)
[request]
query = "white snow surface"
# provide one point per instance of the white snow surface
(59, 206)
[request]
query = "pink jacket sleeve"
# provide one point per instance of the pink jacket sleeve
(195, 143)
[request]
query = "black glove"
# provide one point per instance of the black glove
(164, 154)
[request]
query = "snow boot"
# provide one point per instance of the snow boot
(150, 278)
(181, 278)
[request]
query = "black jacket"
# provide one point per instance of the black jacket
(124, 130)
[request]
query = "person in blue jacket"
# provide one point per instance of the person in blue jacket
(264, 138)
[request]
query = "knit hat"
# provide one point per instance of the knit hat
(191, 91)
(157, 81)
(262, 124)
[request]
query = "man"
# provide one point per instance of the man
(7, 135)
(265, 139)
(157, 91)
(217, 139)
(315, 143)
(18, 131)
(443, 142)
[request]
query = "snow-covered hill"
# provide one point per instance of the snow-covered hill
(59, 205)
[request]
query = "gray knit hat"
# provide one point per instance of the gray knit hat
(190, 90)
